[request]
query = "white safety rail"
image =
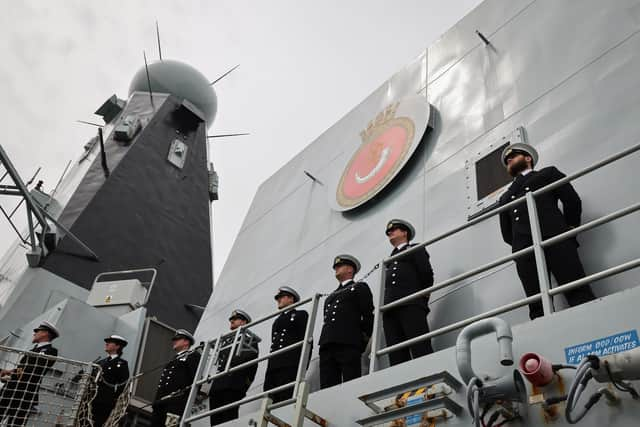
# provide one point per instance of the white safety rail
(546, 293)
(140, 274)
(41, 390)
(212, 349)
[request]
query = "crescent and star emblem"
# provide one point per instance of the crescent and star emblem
(388, 141)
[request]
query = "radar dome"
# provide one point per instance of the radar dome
(181, 80)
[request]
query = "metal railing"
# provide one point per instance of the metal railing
(213, 347)
(60, 389)
(546, 294)
(147, 284)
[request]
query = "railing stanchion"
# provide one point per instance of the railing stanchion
(301, 403)
(193, 390)
(264, 410)
(376, 333)
(538, 250)
(232, 350)
(306, 344)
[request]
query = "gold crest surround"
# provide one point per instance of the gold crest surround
(383, 121)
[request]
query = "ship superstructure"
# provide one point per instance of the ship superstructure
(560, 76)
(124, 245)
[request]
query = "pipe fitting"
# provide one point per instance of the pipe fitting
(475, 330)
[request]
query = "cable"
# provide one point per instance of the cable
(557, 366)
(473, 400)
(620, 385)
(493, 418)
(583, 376)
(484, 413)
(508, 420)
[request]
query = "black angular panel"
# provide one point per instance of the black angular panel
(147, 213)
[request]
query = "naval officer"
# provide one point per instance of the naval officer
(20, 392)
(115, 374)
(234, 386)
(403, 277)
(288, 328)
(176, 378)
(562, 258)
(348, 322)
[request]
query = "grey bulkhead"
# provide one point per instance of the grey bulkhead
(564, 70)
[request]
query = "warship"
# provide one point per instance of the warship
(122, 245)
(556, 75)
(425, 146)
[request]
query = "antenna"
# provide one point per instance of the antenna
(103, 154)
(313, 178)
(227, 134)
(223, 76)
(146, 67)
(64, 172)
(89, 123)
(158, 36)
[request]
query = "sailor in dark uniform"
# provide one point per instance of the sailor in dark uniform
(405, 276)
(115, 374)
(288, 328)
(232, 387)
(348, 322)
(562, 258)
(20, 392)
(177, 376)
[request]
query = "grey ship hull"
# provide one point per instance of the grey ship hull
(564, 71)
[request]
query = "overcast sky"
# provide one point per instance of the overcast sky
(303, 65)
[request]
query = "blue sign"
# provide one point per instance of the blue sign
(602, 347)
(414, 420)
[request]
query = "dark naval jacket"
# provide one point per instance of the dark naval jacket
(237, 380)
(115, 373)
(408, 275)
(24, 383)
(178, 374)
(348, 316)
(288, 328)
(514, 223)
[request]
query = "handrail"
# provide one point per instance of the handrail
(537, 248)
(150, 283)
(620, 268)
(241, 402)
(276, 313)
(513, 305)
(458, 278)
(250, 363)
(548, 242)
(50, 357)
(304, 344)
(515, 202)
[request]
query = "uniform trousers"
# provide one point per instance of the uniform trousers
(220, 398)
(564, 263)
(100, 413)
(401, 324)
(339, 363)
(161, 408)
(276, 377)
